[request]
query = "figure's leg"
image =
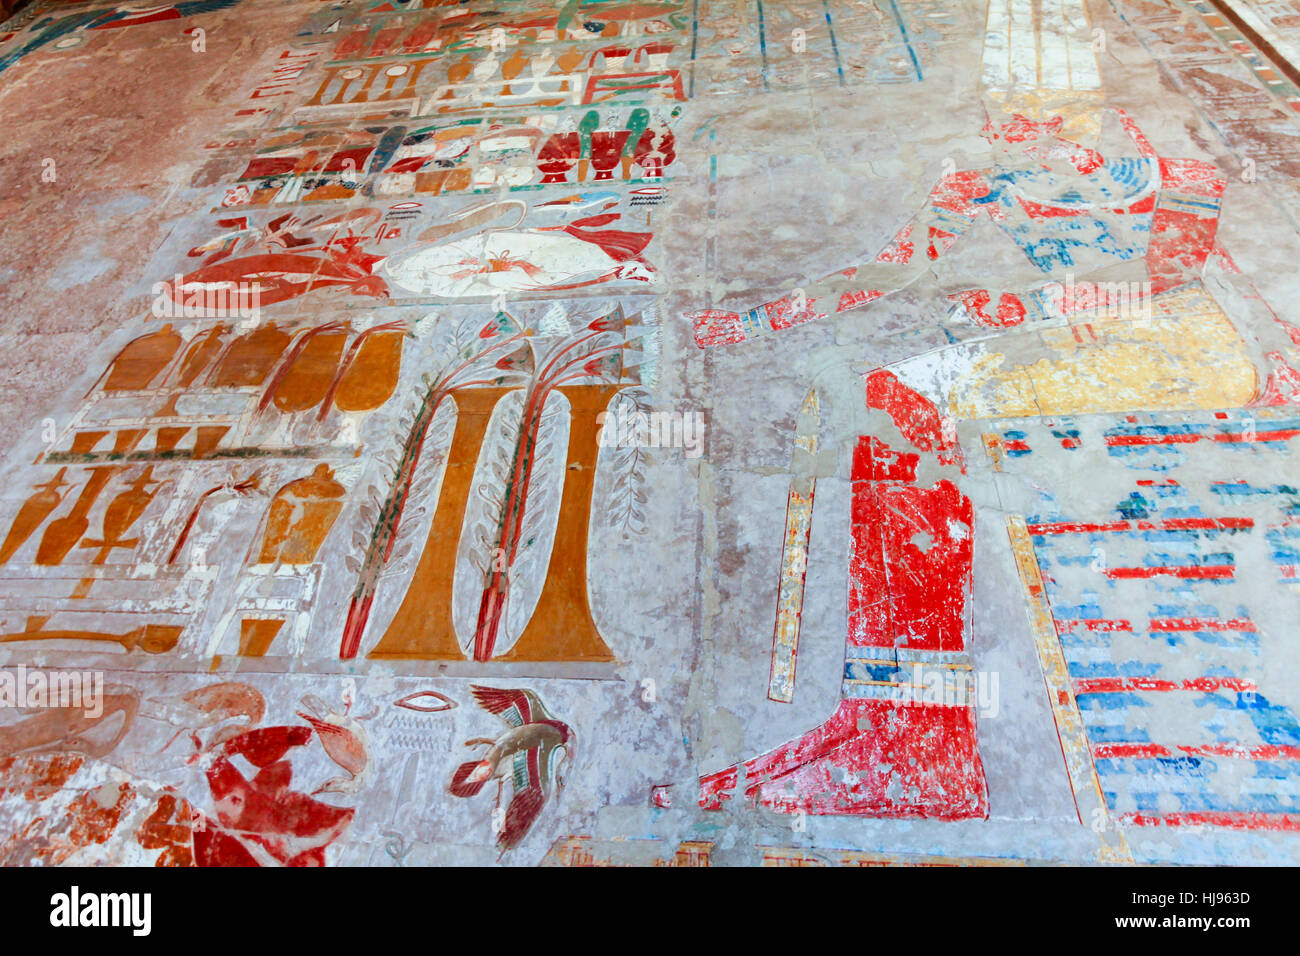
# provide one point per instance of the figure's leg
(902, 740)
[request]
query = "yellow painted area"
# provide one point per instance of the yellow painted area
(794, 558)
(1089, 800)
(993, 448)
(1186, 355)
(1080, 110)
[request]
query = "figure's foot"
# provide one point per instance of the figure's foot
(977, 306)
(879, 758)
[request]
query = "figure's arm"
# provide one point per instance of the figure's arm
(952, 208)
(1186, 217)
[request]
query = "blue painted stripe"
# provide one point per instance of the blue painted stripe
(695, 39)
(835, 47)
(907, 41)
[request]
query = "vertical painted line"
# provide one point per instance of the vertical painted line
(794, 560)
(695, 39)
(839, 67)
(907, 41)
(1081, 772)
(995, 57)
(1037, 11)
(1023, 45)
(711, 244)
(762, 42)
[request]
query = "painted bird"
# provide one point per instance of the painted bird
(344, 740)
(528, 752)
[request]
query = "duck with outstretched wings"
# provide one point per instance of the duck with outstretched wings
(529, 752)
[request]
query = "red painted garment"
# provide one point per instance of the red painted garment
(909, 567)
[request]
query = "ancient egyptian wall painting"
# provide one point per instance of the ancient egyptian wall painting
(995, 523)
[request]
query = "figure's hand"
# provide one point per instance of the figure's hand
(715, 327)
(976, 302)
(634, 269)
(371, 286)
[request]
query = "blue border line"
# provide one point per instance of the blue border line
(839, 67)
(907, 41)
(695, 39)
